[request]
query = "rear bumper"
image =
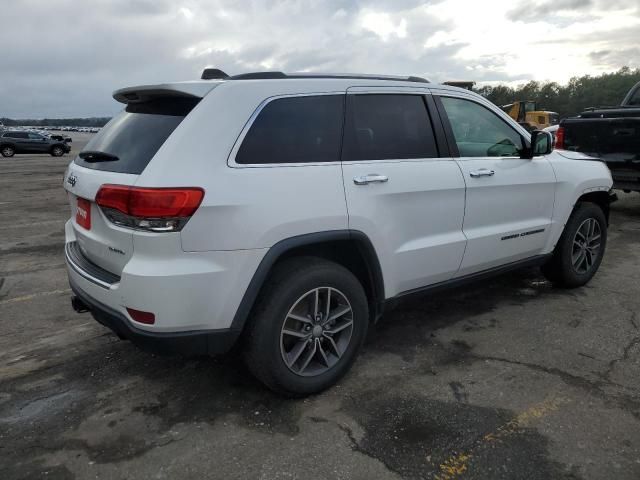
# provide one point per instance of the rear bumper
(203, 342)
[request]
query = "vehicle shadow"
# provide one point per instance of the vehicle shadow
(408, 324)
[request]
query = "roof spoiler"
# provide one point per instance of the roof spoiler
(213, 74)
(144, 93)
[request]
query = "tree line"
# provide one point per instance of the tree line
(579, 93)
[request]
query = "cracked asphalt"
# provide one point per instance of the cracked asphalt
(507, 379)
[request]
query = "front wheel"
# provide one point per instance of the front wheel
(8, 151)
(580, 249)
(57, 151)
(308, 326)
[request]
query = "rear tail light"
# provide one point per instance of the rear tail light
(560, 138)
(153, 209)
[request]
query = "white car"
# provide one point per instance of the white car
(284, 212)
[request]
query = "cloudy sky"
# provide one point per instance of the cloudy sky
(63, 58)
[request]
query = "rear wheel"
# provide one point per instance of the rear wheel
(57, 151)
(7, 151)
(308, 326)
(580, 249)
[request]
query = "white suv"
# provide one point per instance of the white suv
(284, 212)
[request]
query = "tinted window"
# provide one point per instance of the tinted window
(35, 136)
(296, 129)
(137, 133)
(479, 132)
(16, 135)
(388, 127)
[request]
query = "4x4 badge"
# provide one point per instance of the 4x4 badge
(72, 179)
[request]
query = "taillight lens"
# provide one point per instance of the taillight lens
(560, 138)
(153, 209)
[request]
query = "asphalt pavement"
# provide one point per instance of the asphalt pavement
(507, 379)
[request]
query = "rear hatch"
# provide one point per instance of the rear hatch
(117, 155)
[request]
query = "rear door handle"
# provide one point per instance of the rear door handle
(370, 178)
(483, 172)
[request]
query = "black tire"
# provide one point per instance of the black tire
(7, 151)
(560, 269)
(57, 151)
(263, 347)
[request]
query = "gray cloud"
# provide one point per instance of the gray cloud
(533, 11)
(65, 57)
(548, 10)
(613, 59)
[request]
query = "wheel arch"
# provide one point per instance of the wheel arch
(601, 198)
(350, 248)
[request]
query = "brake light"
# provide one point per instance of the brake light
(560, 138)
(154, 209)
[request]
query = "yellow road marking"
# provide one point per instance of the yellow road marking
(25, 298)
(456, 465)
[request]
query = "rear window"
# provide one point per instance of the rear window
(136, 134)
(295, 130)
(388, 126)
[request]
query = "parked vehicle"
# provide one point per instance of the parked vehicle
(609, 133)
(60, 138)
(553, 129)
(528, 115)
(18, 141)
(286, 212)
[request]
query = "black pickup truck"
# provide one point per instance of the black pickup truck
(609, 133)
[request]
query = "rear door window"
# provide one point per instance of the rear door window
(136, 134)
(388, 126)
(295, 130)
(16, 135)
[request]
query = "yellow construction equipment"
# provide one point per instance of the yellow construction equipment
(526, 113)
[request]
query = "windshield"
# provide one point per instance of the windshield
(635, 99)
(136, 134)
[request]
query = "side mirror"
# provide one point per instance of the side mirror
(541, 144)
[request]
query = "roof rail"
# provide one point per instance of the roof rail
(282, 75)
(258, 76)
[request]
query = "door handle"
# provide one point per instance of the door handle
(483, 172)
(371, 178)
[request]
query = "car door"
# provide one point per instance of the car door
(509, 200)
(400, 191)
(20, 140)
(37, 143)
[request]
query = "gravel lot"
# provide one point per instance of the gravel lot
(507, 379)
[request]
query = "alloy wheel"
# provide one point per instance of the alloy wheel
(586, 246)
(316, 331)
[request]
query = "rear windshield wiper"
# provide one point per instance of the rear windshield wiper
(95, 156)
